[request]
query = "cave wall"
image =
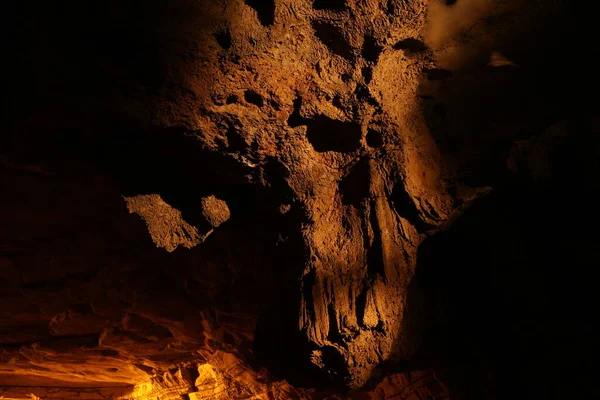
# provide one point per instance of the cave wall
(192, 181)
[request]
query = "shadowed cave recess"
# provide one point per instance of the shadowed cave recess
(298, 199)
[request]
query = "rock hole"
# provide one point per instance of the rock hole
(450, 2)
(193, 375)
(334, 361)
(231, 99)
(235, 140)
(253, 98)
(332, 5)
(274, 104)
(145, 368)
(406, 207)
(410, 46)
(112, 369)
(295, 119)
(390, 7)
(223, 38)
(228, 338)
(308, 283)
(326, 134)
(265, 9)
(367, 74)
(334, 330)
(375, 264)
(363, 93)
(437, 74)
(332, 37)
(354, 187)
(361, 306)
(276, 174)
(374, 138)
(371, 49)
(337, 102)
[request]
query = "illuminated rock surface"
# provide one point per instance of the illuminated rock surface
(234, 199)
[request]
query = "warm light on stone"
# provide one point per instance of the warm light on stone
(297, 199)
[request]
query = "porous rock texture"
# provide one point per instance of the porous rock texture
(226, 199)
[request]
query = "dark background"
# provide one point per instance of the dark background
(511, 283)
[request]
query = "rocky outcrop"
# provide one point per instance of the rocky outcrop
(226, 199)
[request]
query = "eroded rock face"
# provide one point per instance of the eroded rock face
(332, 94)
(289, 156)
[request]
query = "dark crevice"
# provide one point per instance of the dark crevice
(326, 134)
(235, 139)
(375, 265)
(333, 335)
(335, 362)
(271, 338)
(410, 46)
(295, 119)
(390, 7)
(232, 99)
(337, 102)
(354, 187)
(265, 9)
(332, 37)
(361, 305)
(367, 73)
(276, 174)
(253, 98)
(133, 336)
(406, 207)
(223, 38)
(274, 104)
(192, 374)
(308, 283)
(374, 138)
(371, 49)
(363, 93)
(108, 353)
(148, 327)
(145, 368)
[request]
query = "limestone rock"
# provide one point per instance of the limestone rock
(286, 161)
(165, 223)
(214, 210)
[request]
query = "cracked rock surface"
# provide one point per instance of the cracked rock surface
(229, 199)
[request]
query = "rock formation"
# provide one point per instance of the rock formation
(230, 198)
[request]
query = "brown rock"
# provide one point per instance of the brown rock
(165, 223)
(214, 210)
(333, 137)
